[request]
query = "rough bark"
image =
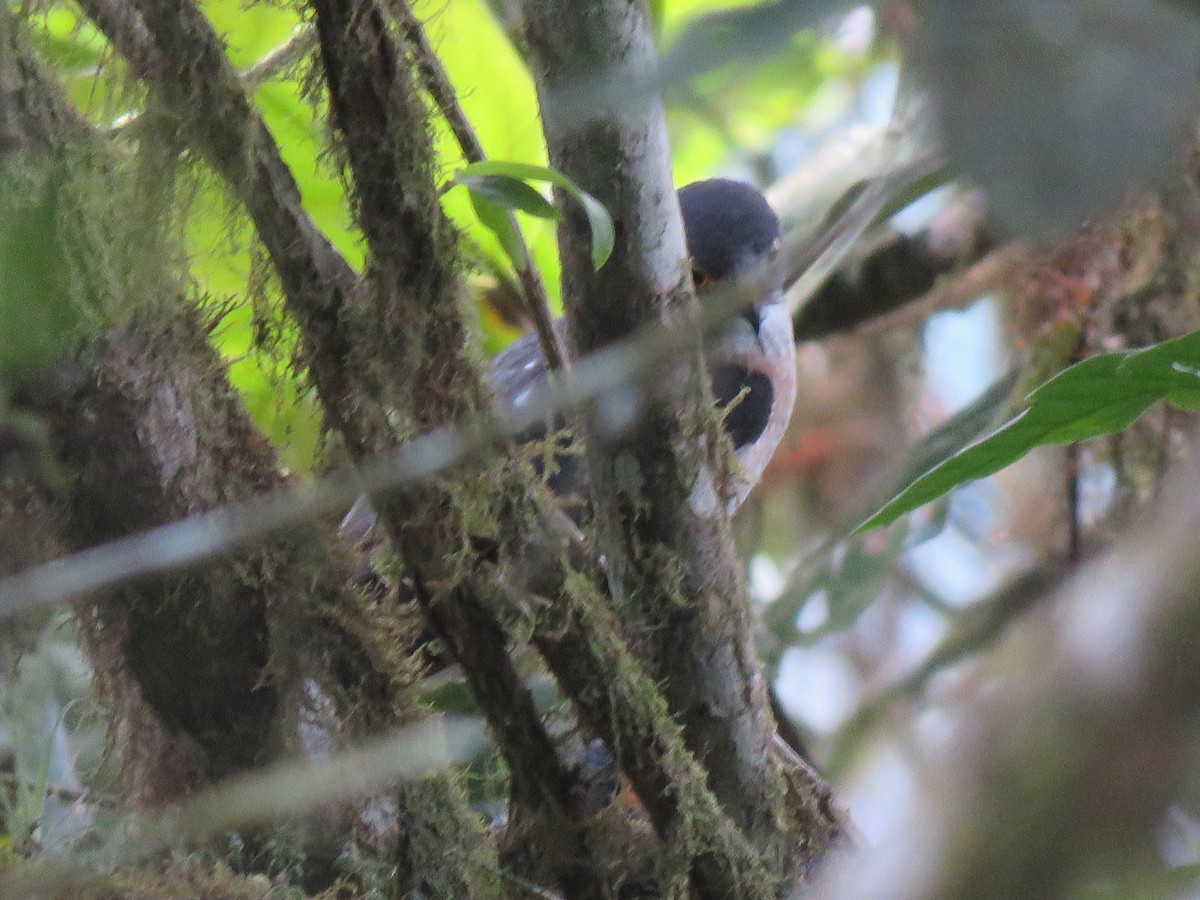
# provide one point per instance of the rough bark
(264, 652)
(376, 344)
(412, 337)
(218, 653)
(674, 573)
(174, 49)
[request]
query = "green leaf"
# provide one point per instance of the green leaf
(657, 9)
(510, 193)
(495, 217)
(1098, 396)
(603, 233)
(67, 42)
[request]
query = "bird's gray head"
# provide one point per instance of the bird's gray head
(733, 238)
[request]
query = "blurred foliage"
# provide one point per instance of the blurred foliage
(51, 739)
(1052, 106)
(1085, 99)
(728, 120)
(1096, 397)
(37, 309)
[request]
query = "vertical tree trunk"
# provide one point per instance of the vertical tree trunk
(674, 573)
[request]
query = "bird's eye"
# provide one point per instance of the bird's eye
(700, 278)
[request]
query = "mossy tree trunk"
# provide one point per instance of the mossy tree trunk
(239, 661)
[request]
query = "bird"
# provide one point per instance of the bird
(734, 242)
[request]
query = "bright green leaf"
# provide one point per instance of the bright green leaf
(1098, 396)
(657, 11)
(510, 193)
(603, 233)
(67, 42)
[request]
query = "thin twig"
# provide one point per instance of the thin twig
(437, 84)
(302, 42)
(1071, 465)
(976, 630)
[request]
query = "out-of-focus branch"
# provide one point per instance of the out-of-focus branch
(282, 58)
(976, 630)
(125, 30)
(894, 269)
(286, 789)
(1073, 755)
(631, 362)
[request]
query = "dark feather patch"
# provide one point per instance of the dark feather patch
(748, 419)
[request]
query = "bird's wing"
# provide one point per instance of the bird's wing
(519, 367)
(515, 372)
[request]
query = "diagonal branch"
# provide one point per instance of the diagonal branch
(437, 83)
(200, 85)
(439, 451)
(174, 49)
(412, 334)
(581, 641)
(894, 269)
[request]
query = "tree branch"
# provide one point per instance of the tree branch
(581, 641)
(412, 333)
(173, 47)
(674, 572)
(437, 85)
(198, 86)
(893, 269)
(977, 630)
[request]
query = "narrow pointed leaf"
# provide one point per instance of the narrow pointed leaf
(1098, 396)
(510, 193)
(495, 218)
(603, 232)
